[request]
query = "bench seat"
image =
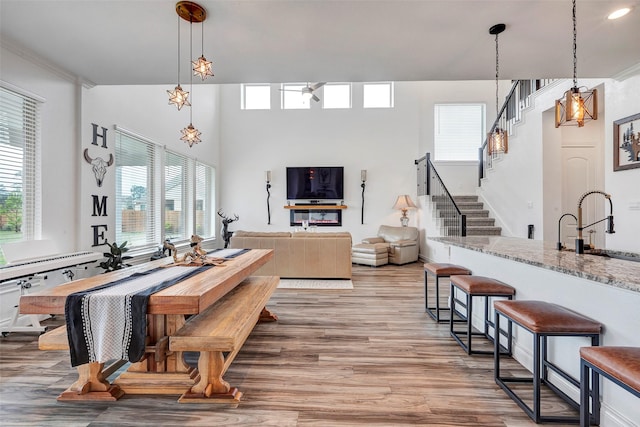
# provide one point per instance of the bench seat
(219, 332)
(55, 339)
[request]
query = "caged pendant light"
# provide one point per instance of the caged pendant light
(498, 139)
(576, 107)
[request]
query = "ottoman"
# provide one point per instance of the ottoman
(373, 254)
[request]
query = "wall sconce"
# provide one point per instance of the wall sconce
(404, 203)
(267, 178)
(363, 178)
(576, 107)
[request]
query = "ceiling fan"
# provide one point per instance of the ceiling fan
(307, 91)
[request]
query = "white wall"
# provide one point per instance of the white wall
(59, 139)
(385, 142)
(143, 110)
(622, 100)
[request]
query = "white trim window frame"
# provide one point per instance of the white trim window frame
(337, 96)
(20, 164)
(255, 96)
(459, 131)
(378, 95)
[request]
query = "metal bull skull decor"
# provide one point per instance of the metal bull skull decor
(98, 165)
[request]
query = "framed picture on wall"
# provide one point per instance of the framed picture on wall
(626, 143)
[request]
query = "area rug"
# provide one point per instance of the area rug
(315, 284)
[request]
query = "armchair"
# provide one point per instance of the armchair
(401, 242)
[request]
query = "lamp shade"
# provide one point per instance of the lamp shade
(404, 202)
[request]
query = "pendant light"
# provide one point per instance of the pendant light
(498, 140)
(177, 96)
(576, 107)
(202, 67)
(190, 134)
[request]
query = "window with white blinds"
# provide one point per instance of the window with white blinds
(137, 218)
(160, 194)
(19, 169)
(458, 131)
(204, 199)
(178, 196)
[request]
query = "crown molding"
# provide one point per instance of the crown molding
(35, 59)
(628, 73)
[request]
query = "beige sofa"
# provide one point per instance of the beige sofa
(397, 245)
(317, 255)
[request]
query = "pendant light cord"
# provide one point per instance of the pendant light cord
(575, 48)
(178, 50)
(497, 59)
(191, 74)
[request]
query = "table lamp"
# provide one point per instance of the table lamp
(404, 203)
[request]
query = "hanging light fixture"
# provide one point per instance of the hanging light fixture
(192, 12)
(498, 139)
(576, 107)
(202, 67)
(177, 96)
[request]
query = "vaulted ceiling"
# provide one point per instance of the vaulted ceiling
(135, 41)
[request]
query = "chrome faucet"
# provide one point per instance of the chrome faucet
(609, 219)
(560, 246)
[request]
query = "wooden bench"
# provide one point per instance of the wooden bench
(218, 333)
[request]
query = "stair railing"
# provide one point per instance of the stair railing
(510, 114)
(430, 184)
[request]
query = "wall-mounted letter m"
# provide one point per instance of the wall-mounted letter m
(99, 206)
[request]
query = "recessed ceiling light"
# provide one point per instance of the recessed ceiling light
(619, 13)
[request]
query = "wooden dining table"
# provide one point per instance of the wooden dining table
(160, 371)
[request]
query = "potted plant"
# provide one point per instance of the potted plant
(115, 257)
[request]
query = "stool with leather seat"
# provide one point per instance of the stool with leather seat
(439, 270)
(477, 286)
(543, 320)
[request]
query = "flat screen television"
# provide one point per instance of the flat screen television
(315, 183)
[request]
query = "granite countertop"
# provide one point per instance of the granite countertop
(621, 273)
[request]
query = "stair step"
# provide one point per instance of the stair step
(484, 231)
(471, 222)
(476, 213)
(463, 199)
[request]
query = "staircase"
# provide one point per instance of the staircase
(478, 221)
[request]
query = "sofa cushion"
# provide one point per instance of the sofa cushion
(394, 234)
(242, 233)
(321, 235)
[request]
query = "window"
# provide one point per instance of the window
(150, 178)
(137, 221)
(256, 97)
(336, 95)
(176, 189)
(292, 97)
(378, 95)
(204, 199)
(19, 174)
(458, 131)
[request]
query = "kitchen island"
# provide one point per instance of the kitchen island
(602, 288)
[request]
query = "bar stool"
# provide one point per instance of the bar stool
(543, 320)
(478, 286)
(439, 270)
(618, 364)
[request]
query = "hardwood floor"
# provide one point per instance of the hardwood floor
(368, 356)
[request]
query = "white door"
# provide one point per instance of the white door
(582, 172)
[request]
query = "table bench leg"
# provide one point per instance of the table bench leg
(211, 387)
(91, 385)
